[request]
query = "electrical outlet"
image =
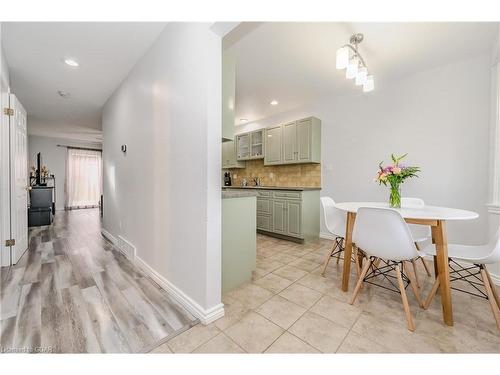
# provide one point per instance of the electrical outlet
(271, 175)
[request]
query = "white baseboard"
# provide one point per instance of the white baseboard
(326, 236)
(109, 236)
(495, 278)
(205, 316)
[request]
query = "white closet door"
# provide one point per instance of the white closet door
(19, 179)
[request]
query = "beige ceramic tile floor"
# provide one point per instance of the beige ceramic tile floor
(290, 308)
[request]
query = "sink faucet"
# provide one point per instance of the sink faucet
(257, 181)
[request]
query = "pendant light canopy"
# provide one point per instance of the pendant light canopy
(349, 58)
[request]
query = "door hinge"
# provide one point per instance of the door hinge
(11, 242)
(8, 111)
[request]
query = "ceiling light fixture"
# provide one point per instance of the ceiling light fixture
(274, 102)
(64, 94)
(243, 120)
(349, 58)
(71, 62)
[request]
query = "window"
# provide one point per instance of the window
(83, 178)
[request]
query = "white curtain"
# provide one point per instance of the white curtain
(83, 178)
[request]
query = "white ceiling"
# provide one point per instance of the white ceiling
(294, 63)
(106, 52)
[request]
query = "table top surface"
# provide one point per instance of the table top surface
(422, 213)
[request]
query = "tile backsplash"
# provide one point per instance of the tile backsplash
(278, 175)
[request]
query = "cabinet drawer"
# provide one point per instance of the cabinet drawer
(263, 205)
(264, 222)
(287, 194)
(264, 193)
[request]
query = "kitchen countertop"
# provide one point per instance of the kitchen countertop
(226, 194)
(294, 188)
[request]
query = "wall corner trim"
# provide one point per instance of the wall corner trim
(493, 208)
(205, 316)
(109, 236)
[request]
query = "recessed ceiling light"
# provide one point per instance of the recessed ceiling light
(243, 120)
(274, 102)
(71, 62)
(64, 94)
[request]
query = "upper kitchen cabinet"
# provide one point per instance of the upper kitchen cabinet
(302, 141)
(229, 156)
(294, 142)
(250, 145)
(228, 94)
(273, 154)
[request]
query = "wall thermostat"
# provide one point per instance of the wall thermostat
(124, 148)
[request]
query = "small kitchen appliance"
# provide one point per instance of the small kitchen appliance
(227, 179)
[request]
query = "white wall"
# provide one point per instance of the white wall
(163, 195)
(54, 158)
(439, 117)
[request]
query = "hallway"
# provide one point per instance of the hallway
(73, 293)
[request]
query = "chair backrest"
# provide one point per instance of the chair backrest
(383, 233)
(335, 219)
(418, 231)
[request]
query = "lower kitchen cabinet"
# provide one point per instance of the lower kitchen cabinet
(294, 214)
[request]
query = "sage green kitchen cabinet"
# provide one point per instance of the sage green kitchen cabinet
(278, 216)
(250, 145)
(228, 94)
(273, 154)
(229, 156)
(290, 142)
(238, 241)
(302, 141)
(289, 214)
(293, 216)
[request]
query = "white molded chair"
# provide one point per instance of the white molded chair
(385, 237)
(335, 222)
(477, 257)
(420, 233)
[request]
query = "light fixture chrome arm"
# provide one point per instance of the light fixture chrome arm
(356, 52)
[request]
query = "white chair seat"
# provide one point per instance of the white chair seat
(473, 254)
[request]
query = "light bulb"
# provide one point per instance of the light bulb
(369, 84)
(342, 58)
(361, 76)
(352, 68)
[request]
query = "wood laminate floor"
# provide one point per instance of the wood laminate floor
(73, 292)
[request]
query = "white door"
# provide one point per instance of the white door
(19, 179)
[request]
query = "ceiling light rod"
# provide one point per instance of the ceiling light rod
(353, 45)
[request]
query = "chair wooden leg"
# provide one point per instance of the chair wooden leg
(327, 260)
(491, 298)
(436, 271)
(360, 280)
(493, 287)
(425, 266)
(412, 284)
(358, 267)
(406, 306)
(414, 264)
(432, 293)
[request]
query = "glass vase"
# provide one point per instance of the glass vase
(395, 197)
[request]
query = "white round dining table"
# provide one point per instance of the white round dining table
(433, 216)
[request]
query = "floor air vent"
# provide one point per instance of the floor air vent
(126, 248)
